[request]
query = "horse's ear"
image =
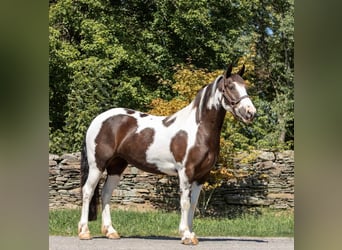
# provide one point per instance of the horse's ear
(242, 70)
(228, 71)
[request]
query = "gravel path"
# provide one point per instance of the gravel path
(171, 243)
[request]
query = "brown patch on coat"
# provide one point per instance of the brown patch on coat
(112, 133)
(197, 104)
(118, 144)
(178, 145)
(129, 111)
(168, 121)
(203, 155)
(228, 88)
(207, 94)
(198, 99)
(116, 166)
(201, 158)
(134, 148)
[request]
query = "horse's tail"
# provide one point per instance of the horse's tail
(84, 176)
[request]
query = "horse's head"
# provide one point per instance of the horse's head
(234, 95)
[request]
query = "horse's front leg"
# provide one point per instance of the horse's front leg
(195, 192)
(185, 226)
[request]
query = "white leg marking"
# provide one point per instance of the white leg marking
(188, 237)
(88, 191)
(184, 201)
(107, 227)
(195, 192)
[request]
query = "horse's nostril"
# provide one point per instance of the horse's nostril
(250, 114)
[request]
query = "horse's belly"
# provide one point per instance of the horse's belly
(166, 167)
(162, 159)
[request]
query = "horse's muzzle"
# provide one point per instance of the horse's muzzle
(250, 115)
(247, 113)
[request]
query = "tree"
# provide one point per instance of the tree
(274, 71)
(106, 54)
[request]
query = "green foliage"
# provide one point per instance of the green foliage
(188, 81)
(274, 71)
(105, 54)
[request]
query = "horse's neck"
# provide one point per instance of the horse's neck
(205, 111)
(212, 120)
(209, 111)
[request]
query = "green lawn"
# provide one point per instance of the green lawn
(270, 223)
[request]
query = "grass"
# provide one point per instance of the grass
(269, 223)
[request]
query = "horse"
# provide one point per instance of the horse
(184, 144)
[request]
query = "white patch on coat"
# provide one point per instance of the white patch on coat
(216, 95)
(200, 105)
(159, 153)
(241, 89)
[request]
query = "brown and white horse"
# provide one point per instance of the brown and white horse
(184, 144)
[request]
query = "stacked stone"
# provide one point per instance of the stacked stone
(281, 185)
(265, 180)
(136, 187)
(64, 181)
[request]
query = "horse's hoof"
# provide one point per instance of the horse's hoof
(186, 241)
(84, 233)
(85, 236)
(194, 240)
(190, 241)
(113, 236)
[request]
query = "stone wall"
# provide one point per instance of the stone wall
(266, 180)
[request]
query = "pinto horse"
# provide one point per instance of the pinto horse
(185, 144)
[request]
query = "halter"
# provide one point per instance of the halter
(231, 103)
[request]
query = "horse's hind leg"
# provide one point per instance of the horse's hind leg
(107, 227)
(88, 192)
(115, 168)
